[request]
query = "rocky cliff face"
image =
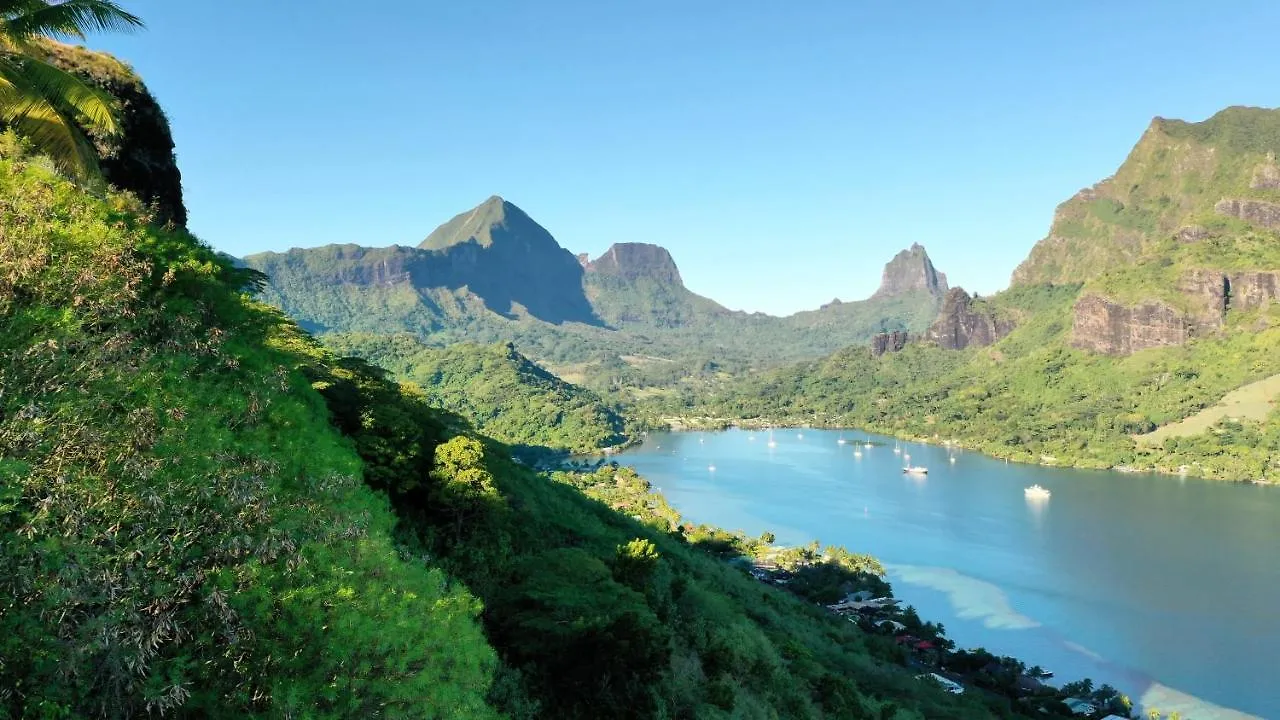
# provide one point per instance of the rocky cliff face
(911, 271)
(1255, 212)
(1113, 329)
(1266, 176)
(887, 342)
(632, 261)
(962, 323)
(1103, 325)
(141, 159)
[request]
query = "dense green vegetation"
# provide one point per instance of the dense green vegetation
(497, 389)
(1035, 396)
(52, 108)
(203, 512)
(180, 526)
(1171, 179)
(1032, 397)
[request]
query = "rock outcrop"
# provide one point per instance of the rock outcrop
(1267, 175)
(911, 271)
(887, 342)
(633, 261)
(1249, 290)
(1255, 212)
(141, 158)
(1111, 328)
(961, 324)
(1103, 325)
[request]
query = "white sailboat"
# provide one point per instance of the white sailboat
(772, 444)
(897, 449)
(841, 441)
(913, 469)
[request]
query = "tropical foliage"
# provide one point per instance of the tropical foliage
(44, 103)
(203, 512)
(501, 392)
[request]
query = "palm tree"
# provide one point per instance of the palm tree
(49, 106)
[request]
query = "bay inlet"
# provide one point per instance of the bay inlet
(1163, 587)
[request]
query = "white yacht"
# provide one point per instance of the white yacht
(1035, 491)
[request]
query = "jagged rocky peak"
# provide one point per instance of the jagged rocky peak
(493, 221)
(962, 323)
(632, 261)
(911, 271)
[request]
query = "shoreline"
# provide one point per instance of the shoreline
(714, 424)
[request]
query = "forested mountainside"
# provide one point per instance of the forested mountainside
(1152, 300)
(492, 274)
(206, 513)
(498, 390)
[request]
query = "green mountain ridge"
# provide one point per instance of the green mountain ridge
(485, 278)
(1155, 294)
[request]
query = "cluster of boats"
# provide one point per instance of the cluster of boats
(1034, 492)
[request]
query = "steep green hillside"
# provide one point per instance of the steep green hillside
(1171, 180)
(180, 527)
(497, 389)
(1156, 294)
(184, 530)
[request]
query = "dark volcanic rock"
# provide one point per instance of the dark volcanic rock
(141, 158)
(960, 324)
(888, 342)
(911, 271)
(1110, 328)
(632, 261)
(1256, 212)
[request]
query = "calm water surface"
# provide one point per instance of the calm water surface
(1168, 589)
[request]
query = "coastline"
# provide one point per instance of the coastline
(708, 423)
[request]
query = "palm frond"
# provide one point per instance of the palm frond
(44, 120)
(93, 108)
(51, 134)
(25, 19)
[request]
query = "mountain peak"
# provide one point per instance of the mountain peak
(633, 261)
(479, 223)
(910, 271)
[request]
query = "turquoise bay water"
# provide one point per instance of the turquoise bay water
(1168, 589)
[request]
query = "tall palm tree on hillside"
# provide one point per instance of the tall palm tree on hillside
(43, 103)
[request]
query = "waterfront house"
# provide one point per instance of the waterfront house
(1080, 706)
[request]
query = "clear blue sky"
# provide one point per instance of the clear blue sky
(782, 151)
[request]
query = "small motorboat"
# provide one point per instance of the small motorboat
(915, 470)
(1035, 491)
